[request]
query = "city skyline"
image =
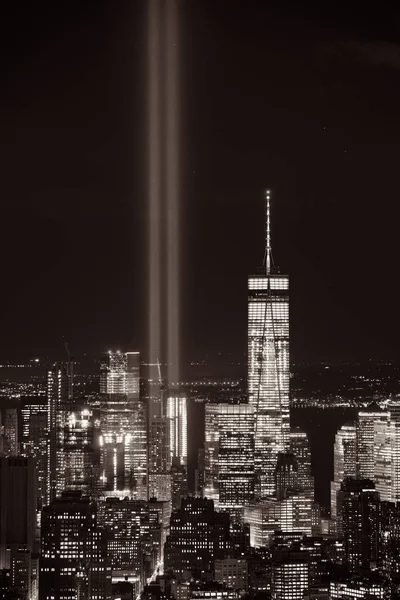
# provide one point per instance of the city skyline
(188, 140)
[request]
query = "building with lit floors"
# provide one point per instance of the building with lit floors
(9, 432)
(80, 455)
(358, 508)
(179, 486)
(301, 449)
(73, 561)
(59, 401)
(128, 536)
(229, 456)
(344, 461)
(232, 572)
(368, 418)
(286, 475)
(123, 417)
(34, 439)
(18, 501)
(291, 514)
(268, 365)
(176, 413)
(290, 575)
(198, 536)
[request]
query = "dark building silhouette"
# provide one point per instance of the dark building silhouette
(17, 506)
(73, 559)
(198, 535)
(359, 510)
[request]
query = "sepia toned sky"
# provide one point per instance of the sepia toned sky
(273, 95)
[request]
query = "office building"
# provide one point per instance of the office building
(198, 536)
(290, 575)
(300, 447)
(59, 402)
(211, 453)
(235, 457)
(359, 522)
(229, 456)
(232, 572)
(286, 475)
(73, 561)
(268, 365)
(123, 415)
(9, 432)
(127, 525)
(344, 460)
(34, 439)
(176, 413)
(18, 501)
(179, 486)
(366, 452)
(80, 457)
(362, 587)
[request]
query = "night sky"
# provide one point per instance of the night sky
(305, 103)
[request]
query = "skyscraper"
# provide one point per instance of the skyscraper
(229, 455)
(34, 439)
(358, 511)
(268, 365)
(300, 447)
(123, 416)
(367, 419)
(235, 457)
(177, 415)
(73, 562)
(59, 400)
(344, 460)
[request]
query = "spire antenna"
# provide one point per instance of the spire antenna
(268, 251)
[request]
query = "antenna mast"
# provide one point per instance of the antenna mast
(267, 233)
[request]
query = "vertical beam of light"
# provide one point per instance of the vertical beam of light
(172, 187)
(154, 178)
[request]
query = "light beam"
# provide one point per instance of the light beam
(172, 187)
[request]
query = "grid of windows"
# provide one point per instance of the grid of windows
(268, 373)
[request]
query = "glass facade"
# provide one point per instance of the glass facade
(268, 373)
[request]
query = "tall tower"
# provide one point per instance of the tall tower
(59, 400)
(123, 421)
(344, 460)
(268, 364)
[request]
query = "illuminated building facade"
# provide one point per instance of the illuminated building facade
(300, 447)
(235, 457)
(127, 524)
(59, 400)
(229, 455)
(366, 452)
(73, 561)
(344, 460)
(34, 439)
(291, 514)
(198, 535)
(290, 575)
(359, 518)
(211, 453)
(176, 408)
(124, 417)
(359, 588)
(286, 472)
(268, 366)
(9, 430)
(232, 572)
(79, 453)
